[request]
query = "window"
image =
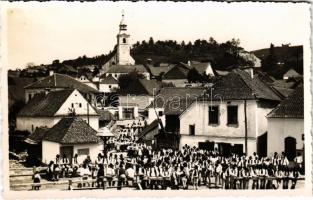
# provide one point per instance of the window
(124, 40)
(80, 105)
(213, 115)
(160, 113)
(84, 152)
(128, 113)
(110, 86)
(232, 115)
(72, 105)
(29, 96)
(192, 129)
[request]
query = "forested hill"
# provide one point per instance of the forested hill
(221, 55)
(277, 60)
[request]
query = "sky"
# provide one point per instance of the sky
(39, 33)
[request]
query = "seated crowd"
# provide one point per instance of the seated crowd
(190, 167)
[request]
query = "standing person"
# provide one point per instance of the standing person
(270, 177)
(299, 162)
(263, 175)
(278, 176)
(109, 173)
(294, 175)
(174, 178)
(285, 178)
(50, 174)
(130, 174)
(121, 177)
(36, 178)
(254, 172)
(195, 177)
(100, 176)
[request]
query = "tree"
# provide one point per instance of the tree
(151, 42)
(193, 76)
(125, 80)
(270, 62)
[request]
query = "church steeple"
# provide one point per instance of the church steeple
(123, 25)
(123, 45)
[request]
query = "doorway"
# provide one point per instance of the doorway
(68, 151)
(290, 147)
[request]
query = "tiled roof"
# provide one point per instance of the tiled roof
(45, 104)
(142, 87)
(175, 100)
(179, 71)
(149, 128)
(61, 81)
(104, 115)
(291, 107)
(126, 69)
(108, 80)
(238, 85)
(156, 71)
(72, 130)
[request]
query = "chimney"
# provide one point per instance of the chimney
(51, 72)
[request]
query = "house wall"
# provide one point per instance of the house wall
(176, 82)
(117, 75)
(49, 151)
(194, 141)
(279, 129)
(106, 87)
(94, 150)
(32, 92)
(30, 123)
(142, 101)
(120, 111)
(197, 114)
(152, 115)
(79, 104)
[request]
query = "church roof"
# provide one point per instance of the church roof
(126, 69)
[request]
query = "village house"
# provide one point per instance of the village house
(168, 104)
(147, 135)
(47, 109)
(178, 74)
(56, 82)
(286, 126)
(117, 70)
(108, 84)
(70, 136)
(87, 79)
(232, 114)
(140, 92)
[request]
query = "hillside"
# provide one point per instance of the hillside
(281, 59)
(222, 55)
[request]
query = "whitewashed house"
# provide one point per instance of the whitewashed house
(232, 114)
(291, 73)
(286, 126)
(47, 109)
(70, 136)
(108, 84)
(88, 81)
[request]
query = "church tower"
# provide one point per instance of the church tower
(123, 56)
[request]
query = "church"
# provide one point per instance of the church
(121, 61)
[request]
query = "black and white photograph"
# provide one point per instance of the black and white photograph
(118, 97)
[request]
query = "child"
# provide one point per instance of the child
(37, 179)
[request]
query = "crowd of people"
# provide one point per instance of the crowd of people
(189, 168)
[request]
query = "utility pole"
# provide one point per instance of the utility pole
(246, 127)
